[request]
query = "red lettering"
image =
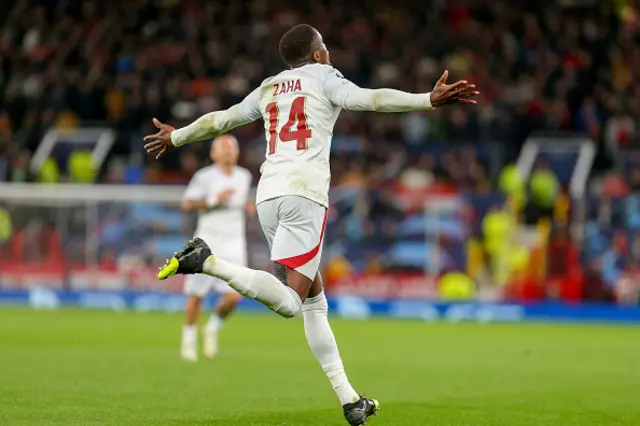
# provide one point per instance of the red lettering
(297, 120)
(287, 87)
(272, 110)
(295, 128)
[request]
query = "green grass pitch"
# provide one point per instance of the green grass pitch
(74, 367)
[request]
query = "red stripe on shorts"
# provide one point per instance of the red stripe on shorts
(301, 259)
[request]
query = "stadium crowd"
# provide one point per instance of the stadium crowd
(541, 66)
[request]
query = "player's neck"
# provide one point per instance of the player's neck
(227, 169)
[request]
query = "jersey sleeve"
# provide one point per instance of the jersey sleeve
(386, 100)
(196, 190)
(347, 95)
(250, 107)
(220, 122)
(337, 88)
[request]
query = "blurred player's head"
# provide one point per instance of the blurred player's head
(224, 150)
(303, 45)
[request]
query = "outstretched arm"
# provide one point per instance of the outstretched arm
(351, 97)
(211, 125)
(386, 100)
(206, 127)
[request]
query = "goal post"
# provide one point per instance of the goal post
(554, 146)
(98, 140)
(584, 147)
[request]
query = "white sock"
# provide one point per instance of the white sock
(215, 323)
(257, 285)
(315, 311)
(189, 334)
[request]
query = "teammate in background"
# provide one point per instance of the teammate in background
(219, 194)
(299, 107)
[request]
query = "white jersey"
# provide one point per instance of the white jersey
(299, 107)
(224, 221)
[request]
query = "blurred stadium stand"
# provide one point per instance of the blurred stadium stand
(415, 196)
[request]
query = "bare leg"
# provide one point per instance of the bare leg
(189, 346)
(225, 306)
(192, 310)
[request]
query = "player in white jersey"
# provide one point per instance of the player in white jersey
(219, 194)
(299, 107)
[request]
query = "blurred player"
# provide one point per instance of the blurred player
(299, 107)
(219, 194)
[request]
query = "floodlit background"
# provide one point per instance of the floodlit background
(415, 196)
(524, 207)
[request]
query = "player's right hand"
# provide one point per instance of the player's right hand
(460, 91)
(160, 142)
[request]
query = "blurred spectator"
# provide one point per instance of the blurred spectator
(543, 190)
(6, 227)
(613, 259)
(627, 287)
(619, 130)
(337, 268)
(540, 66)
(456, 286)
(634, 180)
(355, 176)
(562, 254)
(19, 168)
(512, 185)
(498, 228)
(81, 168)
(613, 185)
(545, 66)
(49, 172)
(419, 174)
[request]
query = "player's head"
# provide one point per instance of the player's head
(224, 150)
(303, 45)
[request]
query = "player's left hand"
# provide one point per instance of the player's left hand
(460, 91)
(250, 208)
(159, 143)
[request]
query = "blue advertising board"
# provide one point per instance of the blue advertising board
(343, 306)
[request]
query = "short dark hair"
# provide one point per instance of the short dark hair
(296, 45)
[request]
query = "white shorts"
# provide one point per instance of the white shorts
(294, 228)
(234, 251)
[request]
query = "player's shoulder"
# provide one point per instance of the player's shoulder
(244, 173)
(321, 71)
(331, 70)
(205, 171)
